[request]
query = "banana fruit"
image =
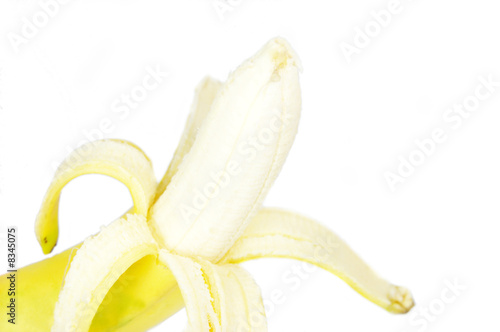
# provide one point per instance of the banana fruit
(242, 145)
(179, 245)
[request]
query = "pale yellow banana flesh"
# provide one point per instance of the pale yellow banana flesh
(236, 156)
(119, 159)
(97, 265)
(278, 233)
(219, 298)
(204, 96)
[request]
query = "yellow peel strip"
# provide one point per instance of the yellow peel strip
(217, 297)
(119, 159)
(97, 265)
(277, 233)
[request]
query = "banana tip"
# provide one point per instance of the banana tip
(47, 244)
(282, 53)
(401, 300)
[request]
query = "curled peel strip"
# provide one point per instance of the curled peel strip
(219, 298)
(278, 233)
(97, 265)
(118, 159)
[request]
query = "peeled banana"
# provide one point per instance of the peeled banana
(182, 240)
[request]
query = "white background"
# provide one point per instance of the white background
(358, 117)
